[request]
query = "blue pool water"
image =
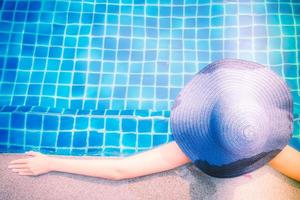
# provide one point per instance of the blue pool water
(99, 77)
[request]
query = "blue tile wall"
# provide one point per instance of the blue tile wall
(63, 64)
(82, 132)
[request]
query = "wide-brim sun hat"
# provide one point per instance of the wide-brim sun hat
(233, 117)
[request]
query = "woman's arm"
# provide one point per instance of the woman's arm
(287, 162)
(162, 158)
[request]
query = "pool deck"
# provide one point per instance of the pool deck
(185, 182)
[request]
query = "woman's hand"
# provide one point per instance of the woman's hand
(36, 165)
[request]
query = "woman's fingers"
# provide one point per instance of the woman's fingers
(19, 166)
(19, 161)
(25, 173)
(22, 170)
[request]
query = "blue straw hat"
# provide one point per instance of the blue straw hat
(233, 117)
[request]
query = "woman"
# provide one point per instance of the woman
(162, 158)
(232, 118)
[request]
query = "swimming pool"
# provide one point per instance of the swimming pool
(99, 77)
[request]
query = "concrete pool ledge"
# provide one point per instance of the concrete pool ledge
(185, 182)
